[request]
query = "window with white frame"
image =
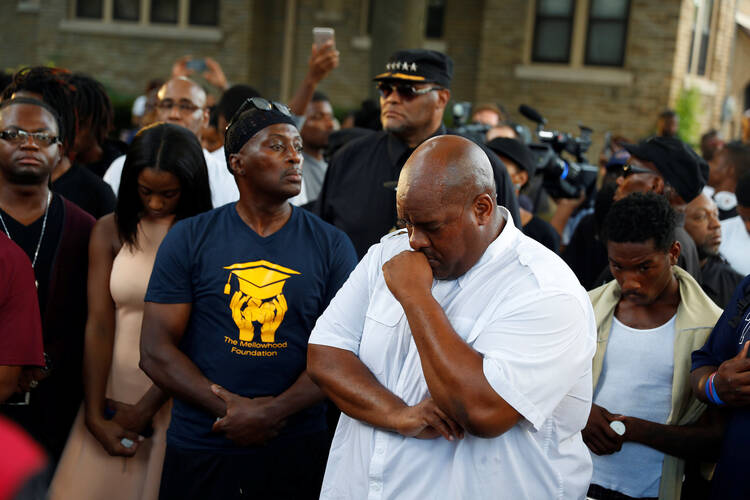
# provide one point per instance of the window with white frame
(607, 31)
(700, 37)
(169, 12)
(580, 32)
(553, 29)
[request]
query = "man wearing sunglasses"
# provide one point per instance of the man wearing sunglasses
(358, 193)
(668, 167)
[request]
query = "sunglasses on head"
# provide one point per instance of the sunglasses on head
(261, 104)
(405, 90)
(630, 169)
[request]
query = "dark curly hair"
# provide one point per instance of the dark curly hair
(640, 217)
(54, 88)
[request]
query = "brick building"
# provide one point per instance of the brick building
(609, 64)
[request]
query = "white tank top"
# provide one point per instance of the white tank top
(636, 381)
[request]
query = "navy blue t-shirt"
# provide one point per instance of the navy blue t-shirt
(730, 480)
(254, 303)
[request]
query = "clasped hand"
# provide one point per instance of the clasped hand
(127, 423)
(426, 421)
(247, 421)
(598, 435)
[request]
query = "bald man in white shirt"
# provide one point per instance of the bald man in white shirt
(459, 350)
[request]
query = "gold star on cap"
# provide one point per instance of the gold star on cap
(259, 279)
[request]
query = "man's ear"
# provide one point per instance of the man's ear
(674, 252)
(206, 117)
(523, 177)
(235, 164)
(58, 155)
(483, 208)
(657, 184)
(443, 97)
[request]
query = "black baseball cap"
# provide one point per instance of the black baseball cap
(419, 65)
(516, 151)
(677, 163)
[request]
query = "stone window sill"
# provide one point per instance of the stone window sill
(588, 75)
(169, 32)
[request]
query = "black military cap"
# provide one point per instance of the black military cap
(516, 151)
(419, 65)
(677, 163)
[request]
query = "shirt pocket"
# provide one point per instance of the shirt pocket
(379, 344)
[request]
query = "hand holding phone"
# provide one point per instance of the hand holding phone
(196, 65)
(324, 57)
(323, 35)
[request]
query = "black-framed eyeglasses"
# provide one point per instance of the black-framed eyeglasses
(184, 107)
(405, 90)
(19, 136)
(261, 104)
(630, 169)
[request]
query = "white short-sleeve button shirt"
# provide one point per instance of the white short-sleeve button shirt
(523, 309)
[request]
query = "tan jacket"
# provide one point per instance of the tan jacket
(696, 316)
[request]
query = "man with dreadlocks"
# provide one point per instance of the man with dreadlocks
(93, 148)
(58, 88)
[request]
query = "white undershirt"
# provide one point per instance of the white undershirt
(636, 381)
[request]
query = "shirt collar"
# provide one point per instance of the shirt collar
(505, 240)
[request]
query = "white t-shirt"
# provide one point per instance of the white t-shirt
(735, 244)
(636, 381)
(524, 311)
(221, 182)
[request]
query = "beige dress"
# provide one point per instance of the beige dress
(86, 471)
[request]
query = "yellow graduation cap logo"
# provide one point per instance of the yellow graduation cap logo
(258, 297)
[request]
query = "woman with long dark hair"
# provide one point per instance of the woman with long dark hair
(116, 447)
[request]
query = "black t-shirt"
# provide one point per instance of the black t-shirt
(730, 480)
(27, 237)
(359, 191)
(543, 232)
(86, 190)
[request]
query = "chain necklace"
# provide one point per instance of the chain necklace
(41, 236)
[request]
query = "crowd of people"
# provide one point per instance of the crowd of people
(250, 300)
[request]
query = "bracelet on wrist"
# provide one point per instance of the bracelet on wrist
(711, 392)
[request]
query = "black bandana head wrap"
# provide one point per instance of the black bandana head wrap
(249, 123)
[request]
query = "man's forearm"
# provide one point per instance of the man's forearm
(698, 378)
(302, 394)
(454, 371)
(174, 373)
(700, 440)
(351, 386)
